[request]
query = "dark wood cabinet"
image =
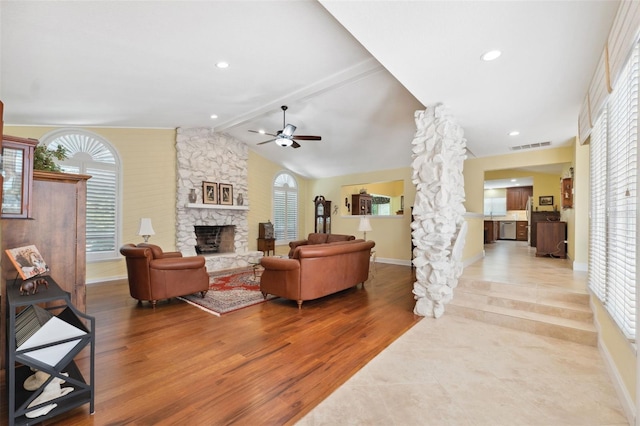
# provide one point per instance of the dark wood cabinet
(267, 245)
(322, 219)
(491, 229)
(361, 204)
(57, 229)
(517, 197)
(537, 217)
(551, 237)
(522, 230)
(266, 238)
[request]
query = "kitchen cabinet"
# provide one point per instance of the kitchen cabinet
(522, 230)
(551, 238)
(517, 197)
(490, 231)
(537, 217)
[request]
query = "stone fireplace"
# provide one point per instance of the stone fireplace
(206, 156)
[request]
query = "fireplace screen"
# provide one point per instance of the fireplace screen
(215, 239)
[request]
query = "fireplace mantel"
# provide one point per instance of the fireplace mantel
(215, 206)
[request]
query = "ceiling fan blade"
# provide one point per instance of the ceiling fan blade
(263, 133)
(308, 138)
(262, 143)
(295, 145)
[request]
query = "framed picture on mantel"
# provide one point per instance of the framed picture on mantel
(226, 194)
(546, 200)
(209, 193)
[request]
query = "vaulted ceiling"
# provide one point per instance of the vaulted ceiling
(352, 72)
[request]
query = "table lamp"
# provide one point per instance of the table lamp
(364, 226)
(146, 230)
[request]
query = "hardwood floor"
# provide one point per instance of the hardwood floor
(268, 364)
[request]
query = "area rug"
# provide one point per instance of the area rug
(229, 292)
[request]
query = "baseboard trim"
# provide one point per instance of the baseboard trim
(106, 280)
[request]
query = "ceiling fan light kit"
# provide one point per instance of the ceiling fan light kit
(284, 141)
(285, 136)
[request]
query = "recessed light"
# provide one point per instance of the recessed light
(222, 64)
(261, 131)
(214, 116)
(513, 180)
(491, 55)
(514, 133)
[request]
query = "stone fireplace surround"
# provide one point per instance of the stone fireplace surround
(206, 156)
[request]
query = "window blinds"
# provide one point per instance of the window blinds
(622, 142)
(612, 258)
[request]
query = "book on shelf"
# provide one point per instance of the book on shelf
(28, 261)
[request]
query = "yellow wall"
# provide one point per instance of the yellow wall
(581, 201)
(261, 174)
(618, 348)
(149, 186)
(392, 234)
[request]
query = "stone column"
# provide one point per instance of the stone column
(439, 151)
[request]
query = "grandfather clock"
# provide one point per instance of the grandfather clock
(322, 215)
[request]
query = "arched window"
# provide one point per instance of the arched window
(88, 153)
(285, 208)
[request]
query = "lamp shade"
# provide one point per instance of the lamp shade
(146, 229)
(364, 225)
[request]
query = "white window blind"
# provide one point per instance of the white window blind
(598, 208)
(613, 238)
(88, 154)
(285, 208)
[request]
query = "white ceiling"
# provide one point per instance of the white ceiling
(353, 72)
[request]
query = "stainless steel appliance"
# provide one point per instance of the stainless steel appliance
(507, 230)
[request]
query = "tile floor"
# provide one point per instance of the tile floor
(457, 371)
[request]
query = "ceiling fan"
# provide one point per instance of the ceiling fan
(285, 137)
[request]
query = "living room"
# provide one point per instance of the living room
(151, 181)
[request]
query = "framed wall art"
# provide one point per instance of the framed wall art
(226, 194)
(209, 193)
(545, 200)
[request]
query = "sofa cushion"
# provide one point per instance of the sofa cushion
(332, 238)
(317, 238)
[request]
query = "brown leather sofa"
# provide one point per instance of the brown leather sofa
(316, 270)
(317, 238)
(155, 275)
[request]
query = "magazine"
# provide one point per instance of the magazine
(27, 261)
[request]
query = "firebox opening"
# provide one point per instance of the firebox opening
(215, 239)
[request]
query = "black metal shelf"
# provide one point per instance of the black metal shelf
(20, 362)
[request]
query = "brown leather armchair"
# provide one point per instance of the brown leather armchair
(155, 275)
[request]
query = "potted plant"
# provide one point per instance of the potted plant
(43, 158)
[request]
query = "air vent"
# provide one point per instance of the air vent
(530, 146)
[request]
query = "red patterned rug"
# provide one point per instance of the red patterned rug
(229, 292)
